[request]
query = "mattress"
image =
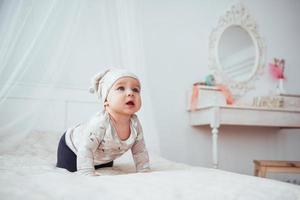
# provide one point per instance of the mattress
(28, 171)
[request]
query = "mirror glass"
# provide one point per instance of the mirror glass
(236, 53)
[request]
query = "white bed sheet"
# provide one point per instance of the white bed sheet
(29, 172)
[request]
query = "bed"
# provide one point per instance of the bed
(28, 172)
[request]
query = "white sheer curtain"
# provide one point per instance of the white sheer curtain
(50, 49)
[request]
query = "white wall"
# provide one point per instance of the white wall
(176, 36)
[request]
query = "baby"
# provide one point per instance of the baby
(110, 133)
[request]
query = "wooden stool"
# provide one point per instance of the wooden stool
(263, 166)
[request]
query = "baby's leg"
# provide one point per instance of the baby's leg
(110, 164)
(66, 158)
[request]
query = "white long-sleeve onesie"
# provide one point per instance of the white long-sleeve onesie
(96, 142)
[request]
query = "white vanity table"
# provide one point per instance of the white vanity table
(217, 116)
(237, 59)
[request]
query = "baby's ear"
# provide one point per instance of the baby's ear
(105, 103)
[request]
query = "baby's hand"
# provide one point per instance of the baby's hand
(88, 173)
(94, 174)
(97, 174)
(146, 170)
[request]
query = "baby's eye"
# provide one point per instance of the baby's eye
(121, 88)
(137, 90)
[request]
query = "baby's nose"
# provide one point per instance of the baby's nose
(129, 92)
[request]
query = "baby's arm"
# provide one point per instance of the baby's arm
(140, 156)
(93, 133)
(139, 151)
(85, 155)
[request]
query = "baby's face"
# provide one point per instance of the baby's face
(124, 96)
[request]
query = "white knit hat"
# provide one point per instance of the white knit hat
(103, 81)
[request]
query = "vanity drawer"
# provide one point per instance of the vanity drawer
(207, 96)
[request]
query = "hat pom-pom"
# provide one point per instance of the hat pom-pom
(96, 80)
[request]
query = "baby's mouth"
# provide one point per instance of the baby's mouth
(130, 103)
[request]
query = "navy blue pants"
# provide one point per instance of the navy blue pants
(67, 159)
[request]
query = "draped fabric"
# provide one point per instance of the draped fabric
(50, 49)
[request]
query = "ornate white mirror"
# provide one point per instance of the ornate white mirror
(236, 51)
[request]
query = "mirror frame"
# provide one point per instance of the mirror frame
(237, 15)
